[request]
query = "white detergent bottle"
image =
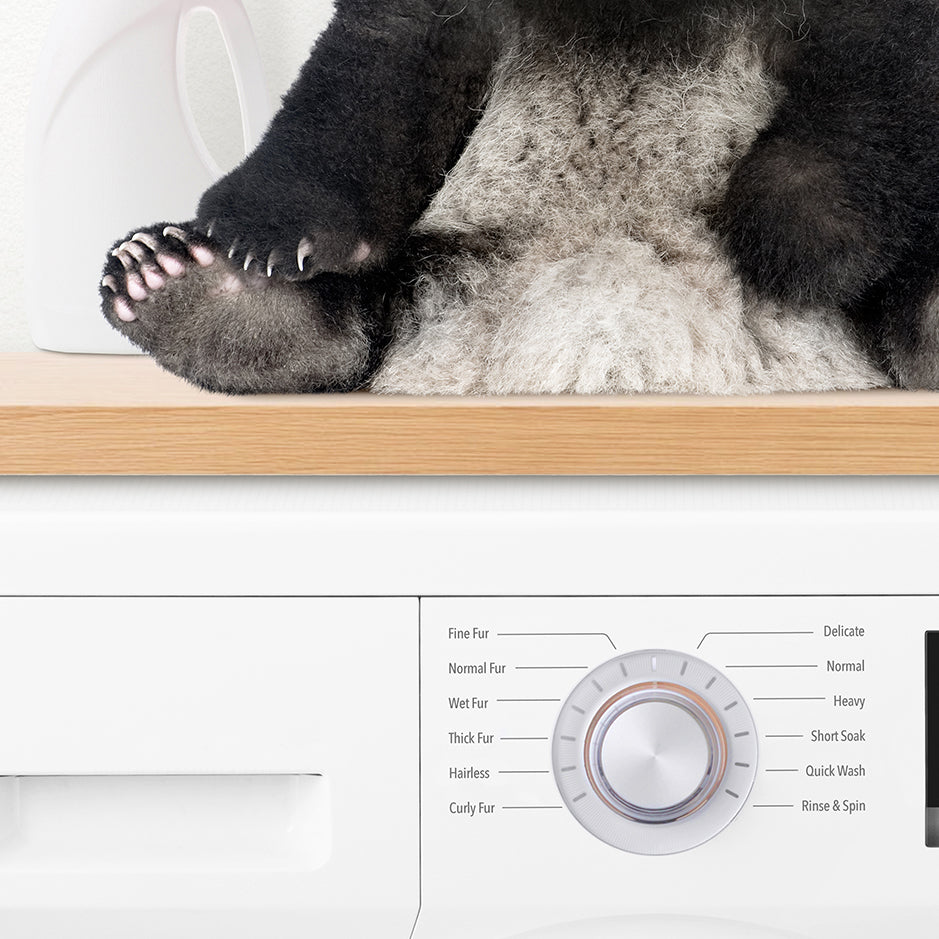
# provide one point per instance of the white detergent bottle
(114, 145)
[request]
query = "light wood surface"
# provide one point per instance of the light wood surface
(89, 415)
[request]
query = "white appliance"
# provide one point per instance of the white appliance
(469, 709)
(113, 143)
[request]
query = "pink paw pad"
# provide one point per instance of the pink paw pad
(124, 311)
(153, 278)
(202, 256)
(172, 266)
(136, 289)
(232, 285)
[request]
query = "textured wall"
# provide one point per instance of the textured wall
(286, 29)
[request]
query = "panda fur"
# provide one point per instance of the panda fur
(588, 225)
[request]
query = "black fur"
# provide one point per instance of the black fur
(837, 203)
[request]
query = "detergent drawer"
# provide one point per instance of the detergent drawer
(208, 766)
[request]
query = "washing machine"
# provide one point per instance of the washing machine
(469, 709)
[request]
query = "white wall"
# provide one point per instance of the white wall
(286, 30)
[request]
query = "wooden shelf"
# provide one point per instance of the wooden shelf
(81, 415)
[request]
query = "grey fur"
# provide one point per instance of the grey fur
(242, 337)
(596, 179)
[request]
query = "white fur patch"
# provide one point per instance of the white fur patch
(598, 176)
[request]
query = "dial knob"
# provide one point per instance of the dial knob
(655, 752)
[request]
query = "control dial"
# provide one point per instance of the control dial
(655, 752)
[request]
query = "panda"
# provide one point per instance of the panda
(569, 196)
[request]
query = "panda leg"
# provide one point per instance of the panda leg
(279, 285)
(381, 111)
(809, 229)
(801, 229)
(835, 205)
(230, 327)
(903, 313)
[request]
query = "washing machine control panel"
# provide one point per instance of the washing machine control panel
(655, 752)
(711, 729)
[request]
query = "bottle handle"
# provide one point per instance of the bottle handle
(242, 48)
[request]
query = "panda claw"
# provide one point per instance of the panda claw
(135, 250)
(127, 262)
(147, 240)
(249, 260)
(110, 283)
(304, 251)
(171, 231)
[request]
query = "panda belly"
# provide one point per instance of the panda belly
(591, 179)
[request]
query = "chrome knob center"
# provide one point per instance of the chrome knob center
(655, 753)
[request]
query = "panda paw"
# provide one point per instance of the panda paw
(153, 265)
(170, 287)
(226, 325)
(290, 233)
